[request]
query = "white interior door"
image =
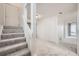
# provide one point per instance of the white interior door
(11, 16)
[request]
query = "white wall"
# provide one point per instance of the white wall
(47, 29)
(2, 14)
(78, 29)
(12, 15)
(9, 15)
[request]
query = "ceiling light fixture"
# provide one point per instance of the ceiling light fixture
(38, 16)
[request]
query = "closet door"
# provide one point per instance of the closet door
(11, 15)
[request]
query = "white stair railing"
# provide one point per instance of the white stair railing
(30, 34)
(27, 30)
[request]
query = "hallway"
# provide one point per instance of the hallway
(47, 48)
(39, 29)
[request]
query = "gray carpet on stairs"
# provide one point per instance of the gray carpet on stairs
(13, 42)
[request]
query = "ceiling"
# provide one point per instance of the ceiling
(51, 9)
(19, 6)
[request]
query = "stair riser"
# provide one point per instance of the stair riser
(10, 42)
(11, 36)
(12, 31)
(3, 53)
(22, 53)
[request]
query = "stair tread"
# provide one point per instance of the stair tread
(10, 33)
(12, 29)
(20, 52)
(12, 39)
(11, 46)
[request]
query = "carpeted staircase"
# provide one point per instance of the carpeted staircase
(13, 42)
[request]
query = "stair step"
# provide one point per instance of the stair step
(12, 48)
(12, 35)
(23, 52)
(12, 41)
(12, 27)
(12, 31)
